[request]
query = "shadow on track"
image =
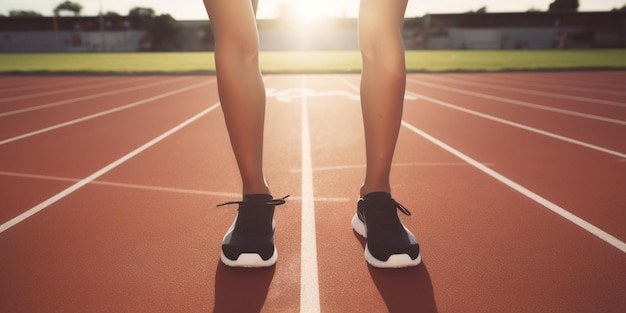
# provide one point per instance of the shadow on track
(404, 289)
(241, 289)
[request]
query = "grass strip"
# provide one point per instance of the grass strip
(312, 61)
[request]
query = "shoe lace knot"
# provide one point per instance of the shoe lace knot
(279, 201)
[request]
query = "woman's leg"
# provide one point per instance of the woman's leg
(383, 82)
(389, 243)
(249, 242)
(240, 85)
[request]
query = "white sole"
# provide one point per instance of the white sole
(394, 261)
(251, 260)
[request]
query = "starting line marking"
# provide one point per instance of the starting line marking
(159, 188)
(360, 166)
(291, 94)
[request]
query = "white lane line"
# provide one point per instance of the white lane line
(92, 116)
(324, 199)
(489, 82)
(41, 84)
(30, 212)
(57, 91)
(575, 82)
(536, 92)
(360, 166)
(522, 126)
(91, 96)
(156, 188)
(309, 284)
(613, 241)
(125, 185)
(517, 102)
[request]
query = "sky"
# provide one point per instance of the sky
(194, 9)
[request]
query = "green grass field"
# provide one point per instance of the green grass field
(313, 61)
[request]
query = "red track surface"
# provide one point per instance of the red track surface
(515, 181)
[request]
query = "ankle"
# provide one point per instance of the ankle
(369, 189)
(258, 188)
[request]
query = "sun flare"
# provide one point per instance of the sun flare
(308, 9)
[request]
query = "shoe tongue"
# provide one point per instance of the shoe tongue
(257, 198)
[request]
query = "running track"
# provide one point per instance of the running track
(515, 180)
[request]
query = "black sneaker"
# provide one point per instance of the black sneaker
(389, 243)
(249, 242)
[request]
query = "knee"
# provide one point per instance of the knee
(383, 53)
(240, 48)
(381, 43)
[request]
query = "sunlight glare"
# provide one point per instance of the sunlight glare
(310, 9)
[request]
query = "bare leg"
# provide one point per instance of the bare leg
(383, 83)
(240, 85)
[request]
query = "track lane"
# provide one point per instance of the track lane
(455, 275)
(595, 132)
(44, 95)
(492, 253)
(193, 225)
(588, 79)
(601, 103)
(26, 82)
(347, 283)
(584, 181)
(79, 149)
(487, 247)
(19, 193)
(562, 87)
(101, 250)
(88, 96)
(17, 125)
(29, 82)
(75, 238)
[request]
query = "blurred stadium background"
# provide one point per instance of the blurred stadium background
(142, 30)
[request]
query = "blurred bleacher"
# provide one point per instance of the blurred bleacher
(532, 30)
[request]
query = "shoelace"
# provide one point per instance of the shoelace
(269, 202)
(401, 208)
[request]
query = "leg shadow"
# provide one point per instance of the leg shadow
(404, 289)
(241, 289)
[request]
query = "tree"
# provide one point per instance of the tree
(141, 12)
(143, 16)
(24, 13)
(564, 6)
(481, 10)
(73, 7)
(162, 32)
